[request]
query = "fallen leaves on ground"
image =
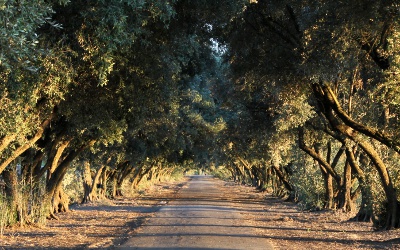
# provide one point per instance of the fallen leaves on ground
(109, 223)
(289, 228)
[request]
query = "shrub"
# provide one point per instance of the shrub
(309, 187)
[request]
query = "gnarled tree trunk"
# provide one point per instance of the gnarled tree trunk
(391, 217)
(11, 192)
(91, 183)
(20, 150)
(54, 193)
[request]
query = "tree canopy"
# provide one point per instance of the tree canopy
(299, 98)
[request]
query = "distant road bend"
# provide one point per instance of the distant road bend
(198, 219)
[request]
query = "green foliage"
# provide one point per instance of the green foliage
(5, 216)
(196, 84)
(309, 186)
(37, 211)
(176, 175)
(18, 39)
(73, 185)
(25, 208)
(294, 113)
(109, 28)
(221, 173)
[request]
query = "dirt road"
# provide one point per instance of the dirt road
(202, 213)
(199, 218)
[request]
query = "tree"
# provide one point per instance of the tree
(294, 43)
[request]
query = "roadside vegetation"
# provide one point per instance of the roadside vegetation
(297, 98)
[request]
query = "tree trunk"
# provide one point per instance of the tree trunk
(136, 177)
(325, 93)
(53, 191)
(95, 185)
(87, 182)
(317, 156)
(53, 158)
(329, 191)
(30, 166)
(365, 212)
(114, 191)
(283, 179)
(345, 201)
(6, 140)
(241, 174)
(232, 171)
(27, 145)
(328, 179)
(142, 173)
(11, 193)
(60, 201)
(123, 170)
(391, 217)
(103, 182)
(259, 172)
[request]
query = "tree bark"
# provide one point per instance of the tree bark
(142, 173)
(87, 182)
(60, 201)
(27, 145)
(316, 156)
(31, 164)
(6, 140)
(330, 98)
(91, 184)
(365, 212)
(345, 201)
(118, 176)
(392, 213)
(114, 191)
(282, 178)
(93, 195)
(328, 179)
(103, 182)
(54, 182)
(11, 192)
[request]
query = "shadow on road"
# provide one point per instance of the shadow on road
(203, 216)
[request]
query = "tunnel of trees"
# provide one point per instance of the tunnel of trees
(298, 98)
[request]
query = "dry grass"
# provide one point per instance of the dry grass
(96, 225)
(289, 228)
